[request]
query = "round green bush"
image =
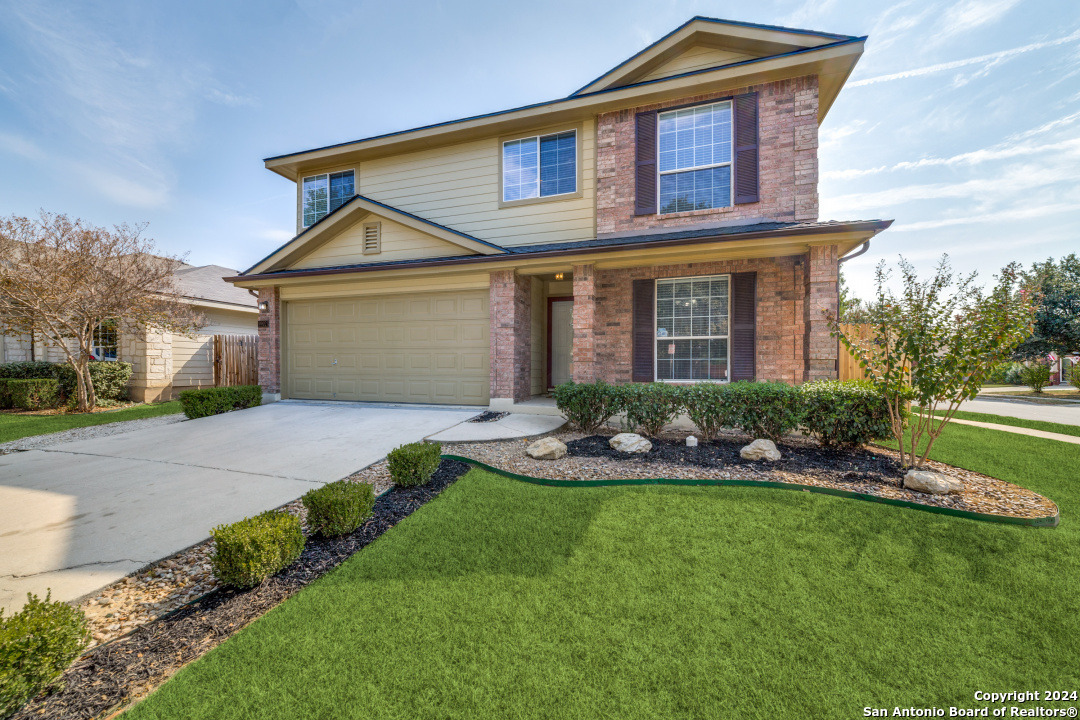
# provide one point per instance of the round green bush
(37, 644)
(338, 508)
(251, 550)
(413, 464)
(845, 413)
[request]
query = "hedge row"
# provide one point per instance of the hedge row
(836, 413)
(29, 394)
(34, 385)
(217, 400)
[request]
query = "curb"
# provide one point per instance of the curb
(1043, 522)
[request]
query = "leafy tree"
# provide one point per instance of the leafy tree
(62, 278)
(1057, 318)
(936, 343)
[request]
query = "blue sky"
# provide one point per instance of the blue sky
(962, 120)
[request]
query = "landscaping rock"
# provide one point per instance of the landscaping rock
(760, 450)
(630, 443)
(548, 448)
(934, 483)
(691, 441)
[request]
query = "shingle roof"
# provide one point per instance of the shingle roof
(205, 283)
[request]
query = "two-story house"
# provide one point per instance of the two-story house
(660, 223)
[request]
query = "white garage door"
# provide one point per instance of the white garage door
(422, 348)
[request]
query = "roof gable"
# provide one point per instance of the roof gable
(707, 42)
(407, 234)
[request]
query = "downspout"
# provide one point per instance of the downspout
(861, 251)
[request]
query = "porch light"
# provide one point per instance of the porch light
(558, 276)
(264, 306)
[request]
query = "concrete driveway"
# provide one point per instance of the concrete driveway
(77, 516)
(1065, 413)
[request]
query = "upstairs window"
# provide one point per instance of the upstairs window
(694, 158)
(323, 194)
(106, 341)
(540, 166)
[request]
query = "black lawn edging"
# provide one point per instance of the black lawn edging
(1043, 522)
(110, 676)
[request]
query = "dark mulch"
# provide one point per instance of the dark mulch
(488, 416)
(797, 456)
(109, 676)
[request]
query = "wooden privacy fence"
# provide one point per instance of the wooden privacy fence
(849, 365)
(236, 360)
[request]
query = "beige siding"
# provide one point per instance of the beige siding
(193, 357)
(459, 186)
(370, 286)
(696, 58)
(398, 243)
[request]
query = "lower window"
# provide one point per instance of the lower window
(692, 321)
(106, 341)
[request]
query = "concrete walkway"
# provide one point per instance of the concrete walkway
(506, 428)
(1020, 431)
(77, 516)
(1067, 414)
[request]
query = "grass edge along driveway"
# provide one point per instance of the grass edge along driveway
(14, 426)
(501, 599)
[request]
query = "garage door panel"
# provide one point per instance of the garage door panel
(399, 348)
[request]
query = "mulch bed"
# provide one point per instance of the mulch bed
(110, 676)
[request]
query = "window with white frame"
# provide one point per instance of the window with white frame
(106, 341)
(692, 328)
(323, 194)
(694, 157)
(540, 166)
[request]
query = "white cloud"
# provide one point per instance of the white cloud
(995, 57)
(22, 146)
(967, 15)
(806, 13)
(1011, 215)
(275, 235)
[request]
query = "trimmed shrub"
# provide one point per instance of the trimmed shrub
(705, 405)
(1006, 374)
(110, 379)
(1036, 376)
(217, 400)
(28, 370)
(338, 508)
(845, 414)
(249, 551)
(413, 464)
(1074, 376)
(37, 644)
(588, 405)
(762, 409)
(649, 406)
(35, 394)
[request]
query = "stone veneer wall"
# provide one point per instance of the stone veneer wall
(788, 141)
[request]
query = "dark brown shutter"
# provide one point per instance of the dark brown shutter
(643, 352)
(746, 148)
(645, 164)
(743, 315)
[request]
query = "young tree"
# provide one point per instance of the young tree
(62, 278)
(936, 343)
(1057, 318)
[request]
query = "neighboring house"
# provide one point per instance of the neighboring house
(164, 363)
(660, 223)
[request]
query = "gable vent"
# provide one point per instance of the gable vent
(372, 238)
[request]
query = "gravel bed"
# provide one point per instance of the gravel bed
(85, 433)
(872, 471)
(115, 674)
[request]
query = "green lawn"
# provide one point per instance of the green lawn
(1018, 422)
(13, 426)
(502, 599)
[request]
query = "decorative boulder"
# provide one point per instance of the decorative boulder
(934, 483)
(760, 450)
(548, 448)
(630, 443)
(691, 441)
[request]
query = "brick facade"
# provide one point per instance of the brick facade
(790, 344)
(585, 327)
(821, 296)
(788, 141)
(270, 340)
(511, 335)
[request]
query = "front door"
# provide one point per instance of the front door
(562, 341)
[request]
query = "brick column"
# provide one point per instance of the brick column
(805, 150)
(584, 351)
(270, 341)
(822, 294)
(511, 335)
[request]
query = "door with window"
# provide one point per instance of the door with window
(561, 341)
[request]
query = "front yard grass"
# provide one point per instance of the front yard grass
(502, 599)
(19, 425)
